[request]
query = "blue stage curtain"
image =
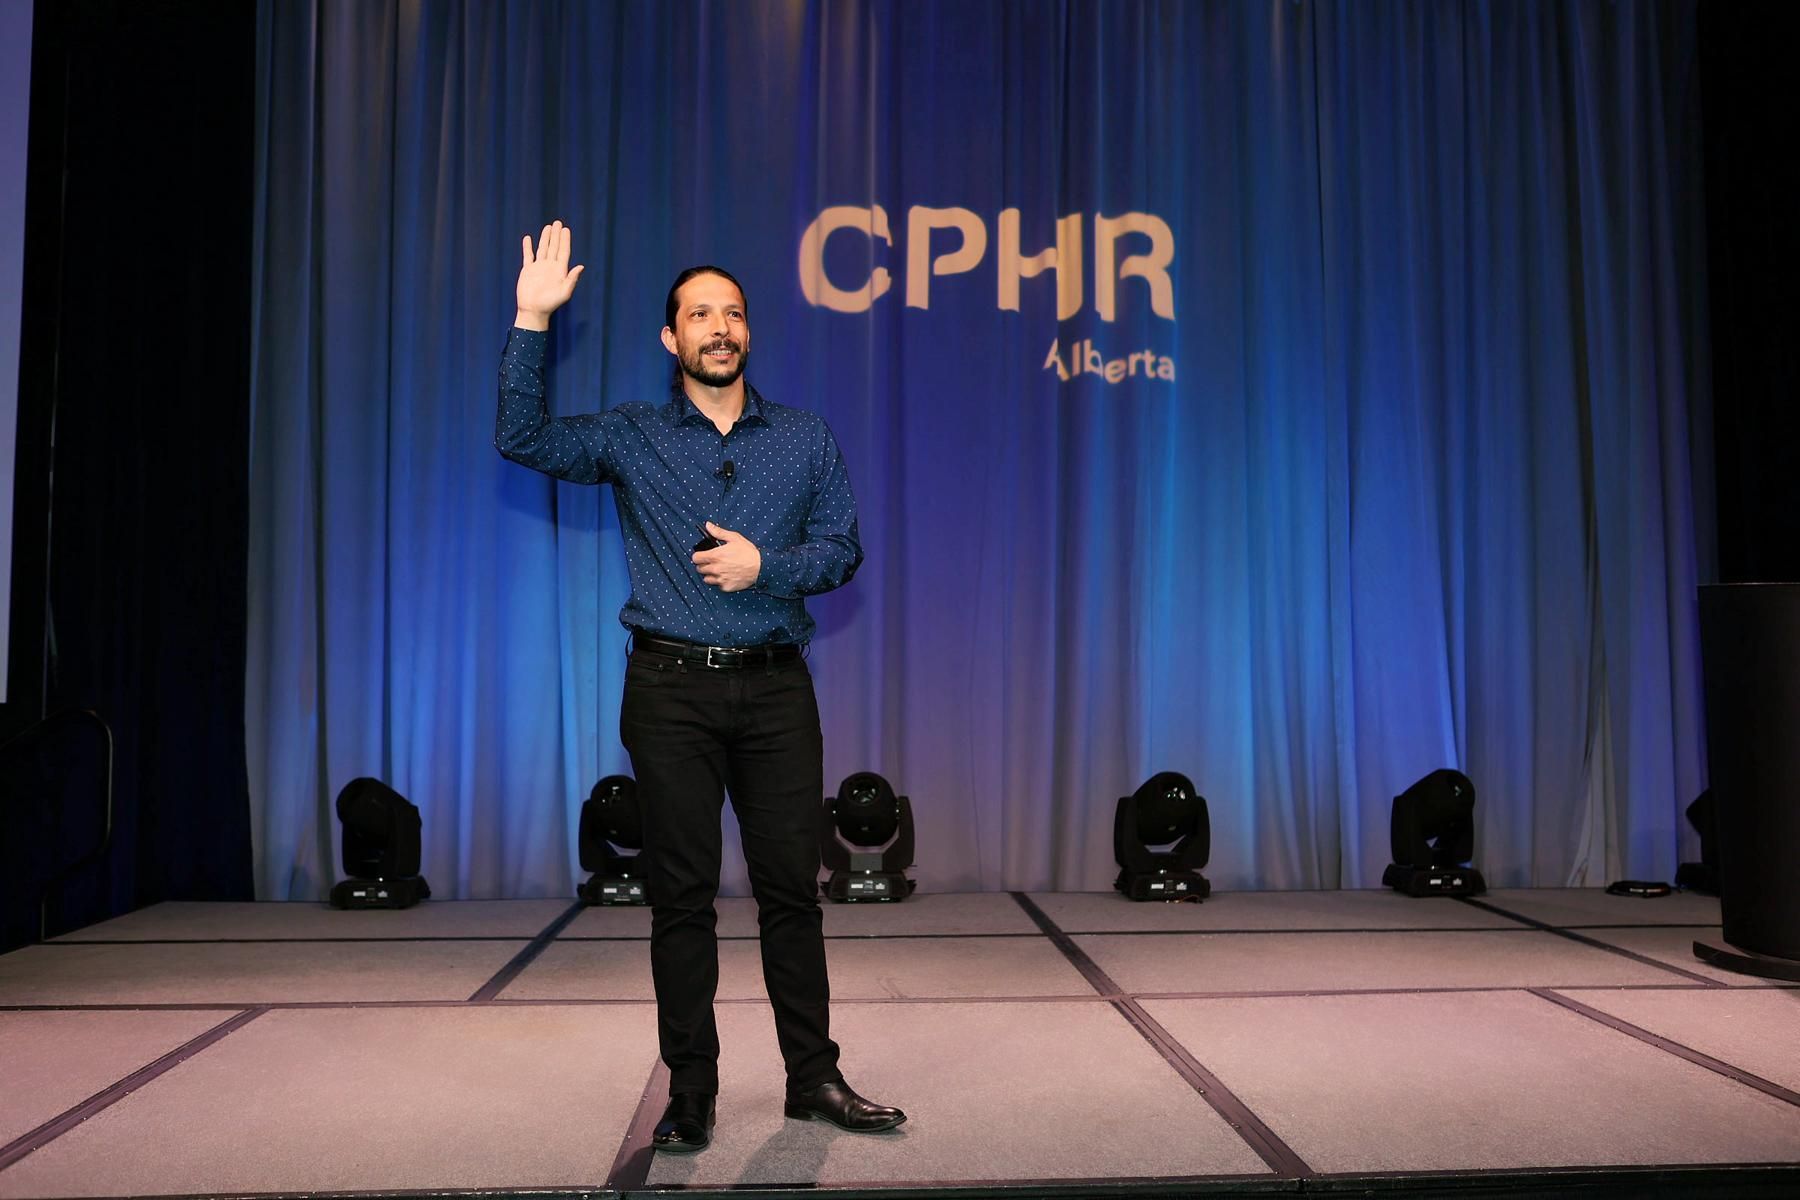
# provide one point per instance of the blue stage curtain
(1421, 492)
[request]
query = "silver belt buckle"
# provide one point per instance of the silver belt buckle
(709, 657)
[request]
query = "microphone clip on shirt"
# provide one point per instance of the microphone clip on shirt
(727, 471)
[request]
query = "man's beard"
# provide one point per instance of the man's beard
(698, 367)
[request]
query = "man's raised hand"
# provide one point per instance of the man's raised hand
(545, 280)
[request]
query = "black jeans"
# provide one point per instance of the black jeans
(693, 734)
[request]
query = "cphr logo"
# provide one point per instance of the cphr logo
(1012, 265)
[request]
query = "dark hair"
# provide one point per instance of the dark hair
(721, 272)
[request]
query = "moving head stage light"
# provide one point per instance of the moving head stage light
(1165, 812)
(1433, 836)
(866, 840)
(613, 820)
(381, 848)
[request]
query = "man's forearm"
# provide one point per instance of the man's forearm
(811, 567)
(569, 448)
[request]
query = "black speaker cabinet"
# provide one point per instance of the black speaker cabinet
(1750, 647)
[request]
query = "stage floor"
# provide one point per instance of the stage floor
(1337, 1042)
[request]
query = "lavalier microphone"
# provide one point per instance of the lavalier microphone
(727, 471)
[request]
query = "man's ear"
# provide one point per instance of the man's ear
(668, 340)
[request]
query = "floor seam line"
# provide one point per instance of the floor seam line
(35, 1139)
(1670, 1046)
(524, 958)
(1263, 1141)
(630, 1169)
(1045, 998)
(1595, 943)
(66, 941)
(1171, 1187)
(287, 941)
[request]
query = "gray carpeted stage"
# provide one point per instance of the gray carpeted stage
(1284, 1042)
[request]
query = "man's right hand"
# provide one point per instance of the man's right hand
(545, 281)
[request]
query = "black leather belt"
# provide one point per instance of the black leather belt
(719, 658)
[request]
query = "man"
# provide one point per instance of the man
(717, 692)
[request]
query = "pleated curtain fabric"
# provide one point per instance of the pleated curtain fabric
(1398, 468)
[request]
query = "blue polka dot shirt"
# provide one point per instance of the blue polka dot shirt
(788, 492)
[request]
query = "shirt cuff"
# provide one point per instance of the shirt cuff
(526, 347)
(780, 571)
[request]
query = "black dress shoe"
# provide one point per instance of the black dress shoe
(686, 1124)
(838, 1104)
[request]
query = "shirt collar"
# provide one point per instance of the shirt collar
(681, 410)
